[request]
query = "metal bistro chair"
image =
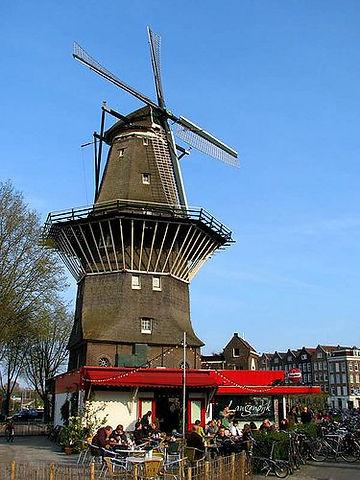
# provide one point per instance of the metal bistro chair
(151, 469)
(174, 470)
(194, 455)
(114, 468)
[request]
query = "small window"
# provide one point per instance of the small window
(146, 325)
(236, 352)
(146, 178)
(121, 152)
(104, 362)
(319, 354)
(145, 141)
(304, 356)
(135, 282)
(156, 283)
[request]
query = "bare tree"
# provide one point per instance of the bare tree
(48, 351)
(30, 278)
(28, 272)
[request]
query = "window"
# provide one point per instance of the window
(337, 367)
(316, 378)
(319, 355)
(315, 366)
(345, 392)
(309, 367)
(305, 378)
(356, 367)
(135, 282)
(338, 378)
(146, 325)
(156, 283)
(351, 378)
(146, 178)
(332, 378)
(350, 367)
(343, 366)
(304, 356)
(121, 152)
(104, 362)
(325, 377)
(145, 141)
(324, 366)
(236, 352)
(338, 391)
(289, 358)
(276, 360)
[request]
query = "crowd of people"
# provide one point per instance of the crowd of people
(224, 435)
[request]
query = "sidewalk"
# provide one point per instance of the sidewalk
(33, 449)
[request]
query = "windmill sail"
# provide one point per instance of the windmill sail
(203, 141)
(155, 45)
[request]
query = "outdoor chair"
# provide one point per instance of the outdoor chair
(150, 469)
(194, 455)
(113, 468)
(81, 460)
(174, 470)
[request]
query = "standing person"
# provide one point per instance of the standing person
(10, 431)
(146, 422)
(306, 415)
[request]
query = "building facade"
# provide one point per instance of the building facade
(237, 354)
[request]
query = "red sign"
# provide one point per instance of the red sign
(295, 375)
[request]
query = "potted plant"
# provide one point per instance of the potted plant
(72, 436)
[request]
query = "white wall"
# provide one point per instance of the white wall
(118, 407)
(60, 399)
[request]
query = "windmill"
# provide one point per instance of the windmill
(186, 130)
(136, 249)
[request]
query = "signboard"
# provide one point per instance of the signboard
(244, 408)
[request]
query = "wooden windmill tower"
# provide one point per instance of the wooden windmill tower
(136, 249)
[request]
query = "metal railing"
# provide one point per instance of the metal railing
(148, 209)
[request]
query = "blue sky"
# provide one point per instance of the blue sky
(277, 80)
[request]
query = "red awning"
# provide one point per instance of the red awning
(147, 377)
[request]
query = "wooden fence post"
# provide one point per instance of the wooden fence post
(221, 467)
(189, 473)
(52, 472)
(242, 465)
(92, 471)
(207, 470)
(232, 466)
(13, 470)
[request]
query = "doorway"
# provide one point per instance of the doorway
(169, 411)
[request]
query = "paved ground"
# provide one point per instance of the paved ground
(39, 449)
(33, 450)
(326, 471)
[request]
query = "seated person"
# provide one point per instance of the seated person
(102, 438)
(223, 441)
(195, 440)
(211, 428)
(235, 430)
(199, 428)
(265, 426)
(119, 439)
(139, 434)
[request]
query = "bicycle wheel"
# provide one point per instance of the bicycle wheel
(281, 469)
(350, 453)
(319, 452)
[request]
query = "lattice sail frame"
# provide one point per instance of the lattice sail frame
(135, 237)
